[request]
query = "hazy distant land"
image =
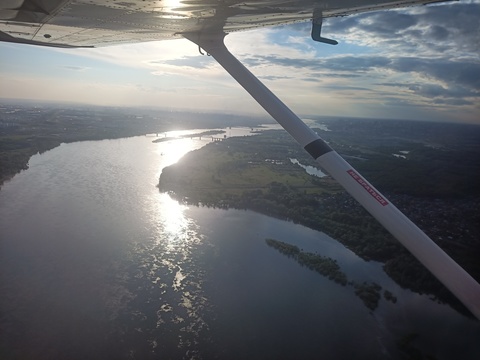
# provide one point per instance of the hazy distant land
(430, 179)
(27, 129)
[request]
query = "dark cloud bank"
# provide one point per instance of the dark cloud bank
(440, 45)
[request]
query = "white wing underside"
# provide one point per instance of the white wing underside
(85, 23)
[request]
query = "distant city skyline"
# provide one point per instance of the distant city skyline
(418, 63)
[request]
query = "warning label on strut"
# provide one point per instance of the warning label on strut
(367, 187)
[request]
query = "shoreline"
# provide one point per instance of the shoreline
(231, 174)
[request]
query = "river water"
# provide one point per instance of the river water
(96, 263)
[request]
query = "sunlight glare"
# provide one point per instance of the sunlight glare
(175, 149)
(172, 9)
(172, 218)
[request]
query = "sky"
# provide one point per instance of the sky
(418, 63)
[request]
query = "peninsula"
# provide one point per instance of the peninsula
(257, 173)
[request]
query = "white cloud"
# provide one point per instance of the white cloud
(138, 55)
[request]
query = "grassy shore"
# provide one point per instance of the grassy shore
(256, 173)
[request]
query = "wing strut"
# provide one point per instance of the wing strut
(457, 280)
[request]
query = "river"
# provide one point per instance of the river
(96, 263)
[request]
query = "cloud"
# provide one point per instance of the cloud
(447, 82)
(453, 72)
(426, 29)
(387, 24)
(196, 62)
(75, 68)
(340, 63)
(347, 88)
(382, 23)
(420, 57)
(142, 55)
(272, 77)
(355, 64)
(437, 33)
(453, 95)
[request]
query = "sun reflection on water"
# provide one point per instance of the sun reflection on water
(172, 217)
(173, 226)
(173, 150)
(167, 265)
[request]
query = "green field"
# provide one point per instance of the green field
(242, 166)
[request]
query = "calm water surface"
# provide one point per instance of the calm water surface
(96, 263)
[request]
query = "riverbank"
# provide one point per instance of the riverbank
(28, 130)
(255, 174)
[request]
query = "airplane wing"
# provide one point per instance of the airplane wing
(88, 23)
